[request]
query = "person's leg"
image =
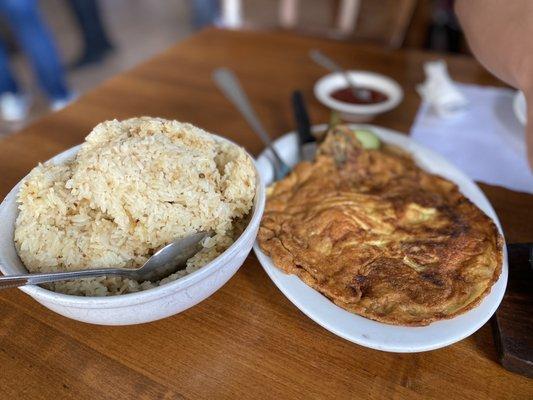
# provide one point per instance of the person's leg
(37, 43)
(7, 80)
(14, 105)
(205, 12)
(95, 38)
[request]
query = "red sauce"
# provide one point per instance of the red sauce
(346, 95)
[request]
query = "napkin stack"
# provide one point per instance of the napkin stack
(475, 128)
(440, 92)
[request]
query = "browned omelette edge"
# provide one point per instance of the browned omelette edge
(473, 304)
(287, 265)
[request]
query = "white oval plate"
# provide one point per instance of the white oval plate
(364, 331)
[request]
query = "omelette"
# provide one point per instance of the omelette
(379, 236)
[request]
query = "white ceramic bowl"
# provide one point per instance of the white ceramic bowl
(359, 112)
(133, 308)
(520, 107)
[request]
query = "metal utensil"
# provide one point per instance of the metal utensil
(228, 83)
(306, 140)
(163, 263)
(327, 63)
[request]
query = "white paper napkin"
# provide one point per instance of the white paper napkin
(486, 141)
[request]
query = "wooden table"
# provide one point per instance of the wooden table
(247, 340)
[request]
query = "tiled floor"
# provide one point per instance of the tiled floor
(138, 28)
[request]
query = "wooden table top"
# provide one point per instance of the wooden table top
(247, 340)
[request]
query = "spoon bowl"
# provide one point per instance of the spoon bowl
(163, 263)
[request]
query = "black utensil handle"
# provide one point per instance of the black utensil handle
(301, 117)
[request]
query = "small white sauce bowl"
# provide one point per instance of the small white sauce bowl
(132, 308)
(328, 84)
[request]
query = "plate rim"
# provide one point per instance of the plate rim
(306, 309)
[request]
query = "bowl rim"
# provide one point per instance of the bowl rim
(147, 295)
(389, 86)
(519, 107)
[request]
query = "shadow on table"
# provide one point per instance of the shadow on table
(484, 342)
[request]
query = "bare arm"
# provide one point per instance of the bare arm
(500, 34)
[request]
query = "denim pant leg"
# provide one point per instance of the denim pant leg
(205, 12)
(7, 80)
(29, 28)
(88, 15)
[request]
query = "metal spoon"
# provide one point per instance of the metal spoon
(163, 263)
(228, 83)
(327, 63)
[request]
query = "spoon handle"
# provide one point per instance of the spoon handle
(230, 86)
(327, 63)
(228, 83)
(35, 279)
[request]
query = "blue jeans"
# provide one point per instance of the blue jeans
(37, 43)
(205, 12)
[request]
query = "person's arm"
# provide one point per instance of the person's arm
(500, 34)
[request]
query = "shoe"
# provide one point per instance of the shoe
(58, 104)
(14, 107)
(92, 57)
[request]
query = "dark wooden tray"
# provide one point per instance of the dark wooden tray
(513, 322)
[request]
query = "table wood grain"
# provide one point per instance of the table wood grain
(247, 340)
